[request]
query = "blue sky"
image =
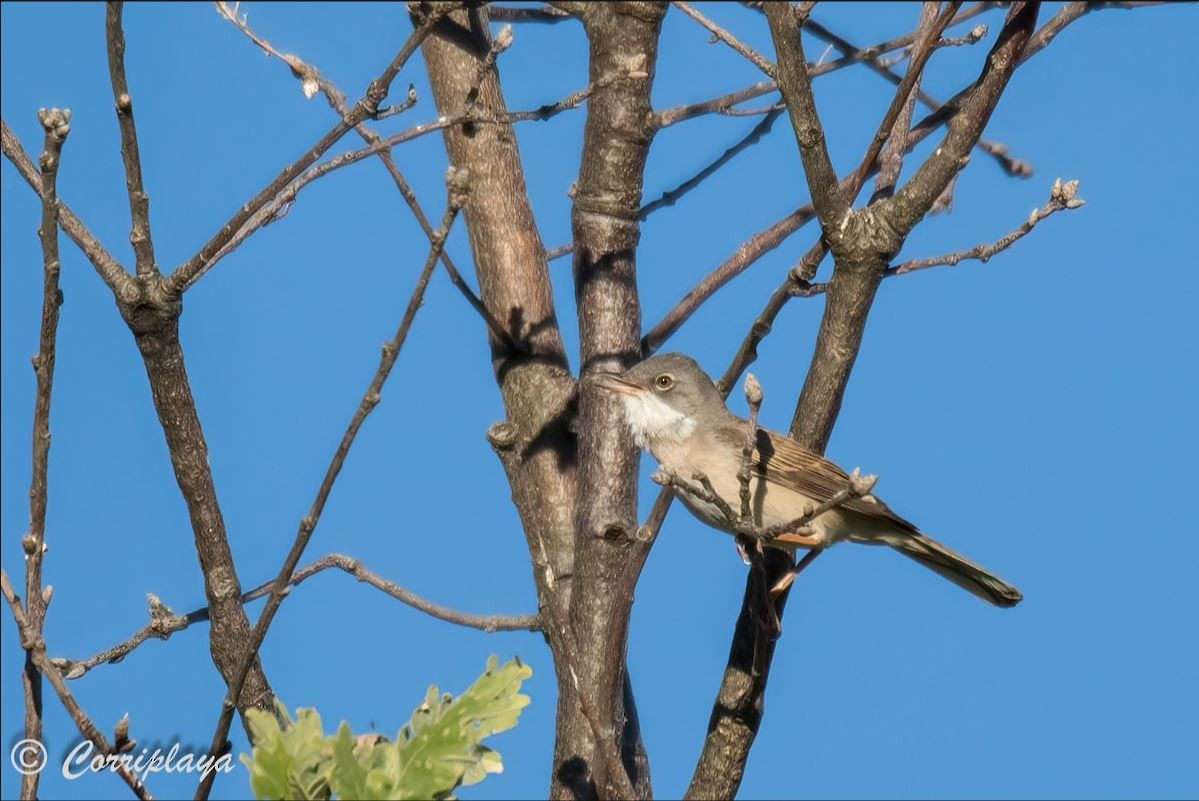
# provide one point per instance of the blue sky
(1035, 412)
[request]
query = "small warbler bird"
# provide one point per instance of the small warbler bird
(676, 413)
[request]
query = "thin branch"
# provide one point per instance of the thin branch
(717, 105)
(281, 202)
(35, 647)
(857, 487)
(1067, 14)
(139, 201)
(1010, 164)
(108, 268)
(747, 351)
(913, 200)
(741, 259)
(671, 196)
(720, 33)
(928, 34)
(457, 182)
(55, 123)
(163, 622)
(796, 284)
(1061, 196)
(795, 82)
(890, 159)
(721, 104)
(190, 271)
(309, 76)
(547, 14)
(605, 225)
(753, 397)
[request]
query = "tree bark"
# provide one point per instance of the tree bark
(153, 317)
(623, 52)
(535, 444)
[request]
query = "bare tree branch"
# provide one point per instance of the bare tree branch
(534, 443)
(890, 159)
(1010, 164)
(278, 206)
(55, 123)
(163, 622)
(770, 238)
(753, 56)
(458, 182)
(1061, 196)
(928, 34)
(723, 103)
(796, 84)
(109, 270)
(187, 273)
(914, 199)
(671, 196)
(519, 14)
(605, 229)
(307, 74)
(742, 258)
(139, 201)
(35, 648)
(153, 317)
(862, 247)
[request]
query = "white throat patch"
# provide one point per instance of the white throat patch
(653, 421)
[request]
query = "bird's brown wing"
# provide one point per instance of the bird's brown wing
(781, 460)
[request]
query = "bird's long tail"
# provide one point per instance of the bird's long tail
(957, 568)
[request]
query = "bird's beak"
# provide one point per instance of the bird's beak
(614, 383)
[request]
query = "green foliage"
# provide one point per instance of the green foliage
(437, 750)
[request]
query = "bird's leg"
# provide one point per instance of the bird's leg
(788, 578)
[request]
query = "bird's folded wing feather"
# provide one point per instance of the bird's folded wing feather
(782, 461)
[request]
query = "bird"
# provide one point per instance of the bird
(675, 411)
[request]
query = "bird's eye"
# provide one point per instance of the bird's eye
(664, 382)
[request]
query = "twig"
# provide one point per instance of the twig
(720, 33)
(890, 160)
(753, 396)
(912, 201)
(1010, 164)
(559, 251)
(457, 183)
(139, 202)
(857, 487)
(717, 105)
(309, 75)
(283, 199)
(928, 33)
(974, 36)
(109, 270)
(547, 14)
(762, 242)
(190, 271)
(721, 104)
(1061, 196)
(163, 622)
(35, 648)
(671, 196)
(55, 122)
(390, 111)
(795, 83)
(741, 259)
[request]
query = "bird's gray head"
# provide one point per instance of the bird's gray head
(665, 397)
